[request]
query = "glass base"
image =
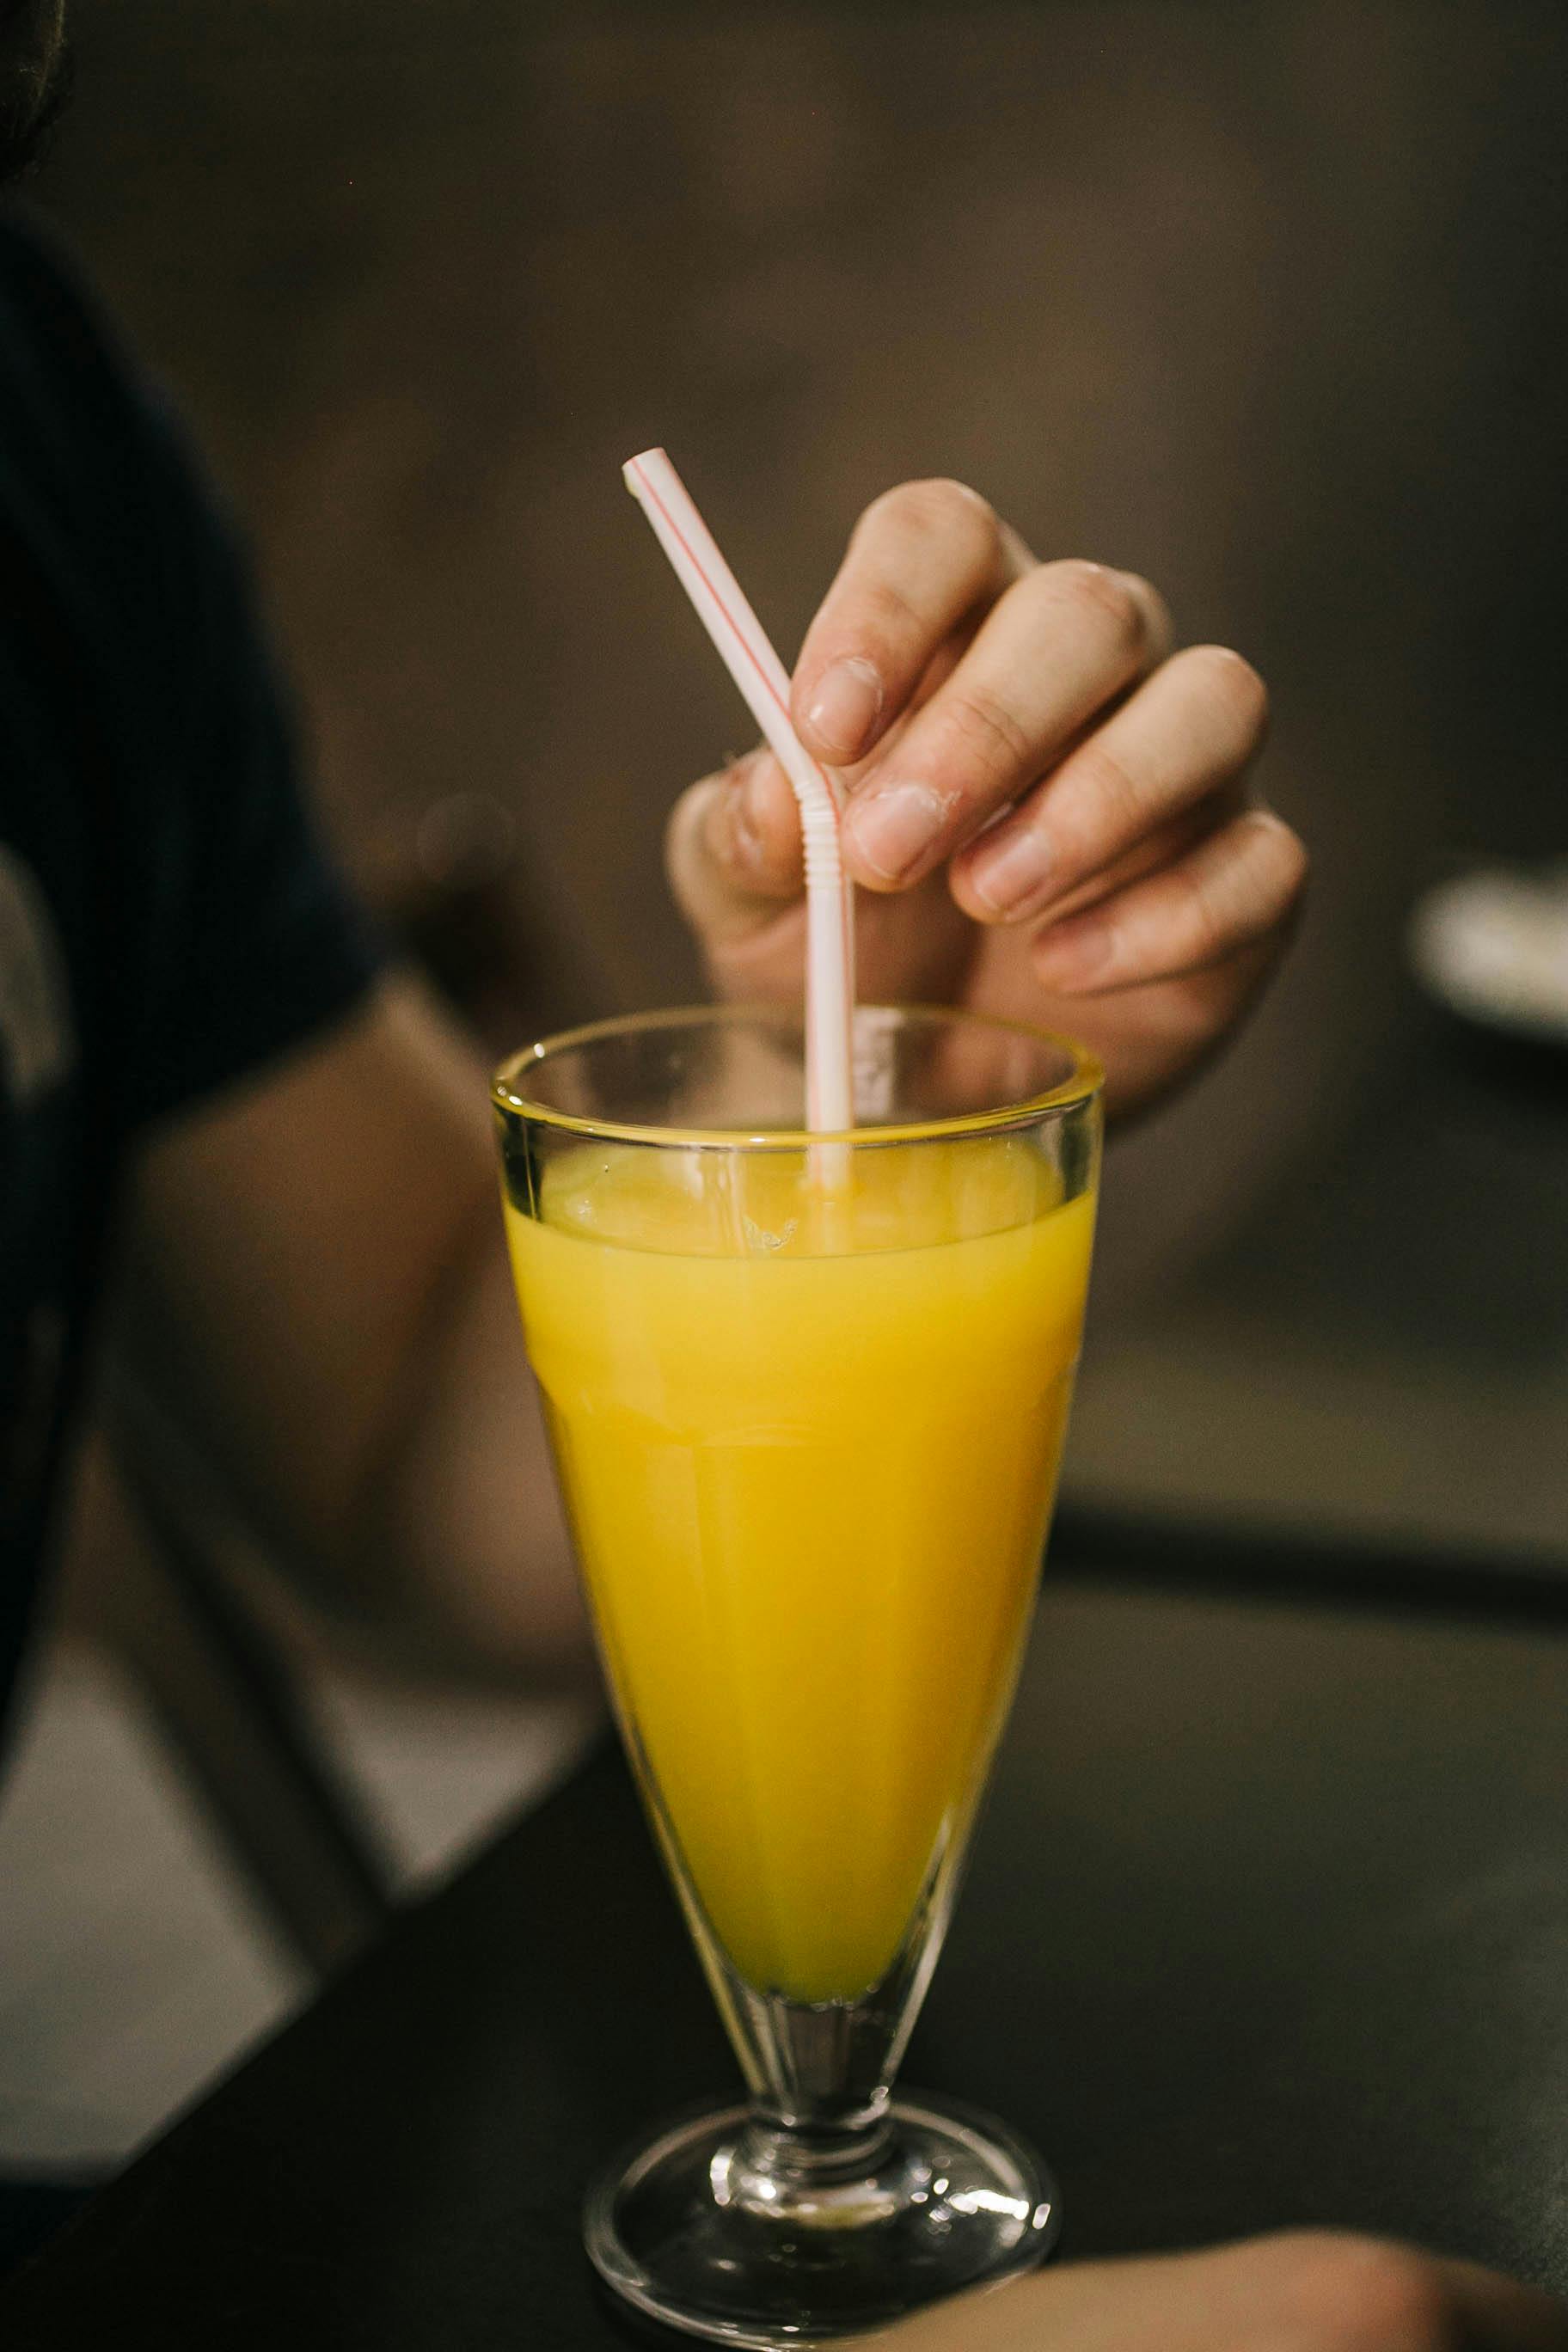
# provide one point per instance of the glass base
(703, 2229)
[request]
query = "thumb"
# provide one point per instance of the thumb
(732, 850)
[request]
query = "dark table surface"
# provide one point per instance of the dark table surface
(1268, 1923)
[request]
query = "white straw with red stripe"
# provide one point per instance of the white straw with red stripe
(760, 675)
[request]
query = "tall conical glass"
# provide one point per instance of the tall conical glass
(807, 1399)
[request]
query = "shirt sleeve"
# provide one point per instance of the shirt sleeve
(263, 945)
(224, 935)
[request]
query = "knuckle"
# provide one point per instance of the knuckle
(1241, 889)
(1109, 597)
(936, 508)
(941, 503)
(886, 614)
(1200, 917)
(1097, 807)
(1233, 684)
(1153, 614)
(988, 730)
(1285, 859)
(1144, 592)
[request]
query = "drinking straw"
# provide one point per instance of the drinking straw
(758, 672)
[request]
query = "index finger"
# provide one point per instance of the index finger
(921, 560)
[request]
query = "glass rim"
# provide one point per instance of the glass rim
(1080, 1086)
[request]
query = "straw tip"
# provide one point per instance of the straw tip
(631, 472)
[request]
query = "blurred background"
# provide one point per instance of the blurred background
(1266, 301)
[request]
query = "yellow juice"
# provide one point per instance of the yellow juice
(808, 1447)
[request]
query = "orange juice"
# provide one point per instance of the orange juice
(809, 1446)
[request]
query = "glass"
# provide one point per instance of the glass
(807, 1399)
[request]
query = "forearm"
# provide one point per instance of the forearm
(318, 1313)
(456, 1529)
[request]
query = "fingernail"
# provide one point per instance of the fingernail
(1011, 874)
(894, 828)
(847, 704)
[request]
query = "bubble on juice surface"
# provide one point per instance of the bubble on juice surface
(759, 1238)
(569, 1190)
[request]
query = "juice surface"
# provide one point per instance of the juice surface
(809, 1449)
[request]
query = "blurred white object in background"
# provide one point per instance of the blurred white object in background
(1493, 945)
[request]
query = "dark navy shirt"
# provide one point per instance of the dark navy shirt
(167, 922)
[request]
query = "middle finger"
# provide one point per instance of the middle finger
(1055, 648)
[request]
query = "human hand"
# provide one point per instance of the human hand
(1049, 807)
(1306, 2291)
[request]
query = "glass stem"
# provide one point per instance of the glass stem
(817, 2140)
(834, 2171)
(803, 2156)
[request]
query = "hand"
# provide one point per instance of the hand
(1049, 806)
(1305, 2292)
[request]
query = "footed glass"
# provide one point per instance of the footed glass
(807, 1399)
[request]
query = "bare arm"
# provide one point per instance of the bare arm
(318, 1299)
(1303, 2291)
